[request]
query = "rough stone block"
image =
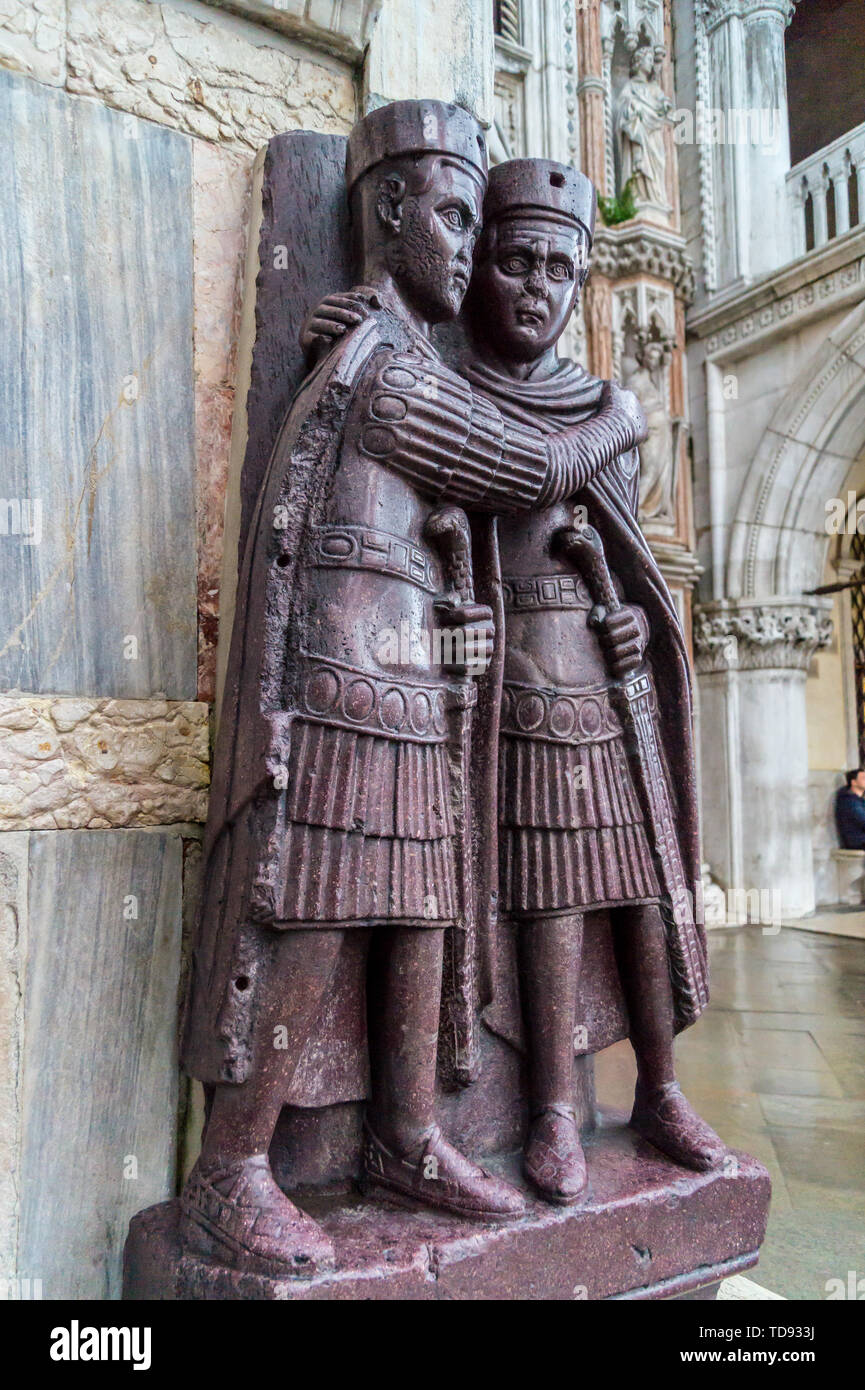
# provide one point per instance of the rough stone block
(92, 764)
(33, 39)
(203, 71)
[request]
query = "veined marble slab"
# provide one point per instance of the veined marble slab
(13, 950)
(97, 498)
(738, 1287)
(99, 1092)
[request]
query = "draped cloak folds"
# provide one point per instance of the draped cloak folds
(233, 940)
(233, 946)
(612, 501)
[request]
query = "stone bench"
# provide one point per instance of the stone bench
(850, 870)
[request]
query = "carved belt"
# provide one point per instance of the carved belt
(350, 698)
(365, 548)
(562, 716)
(535, 591)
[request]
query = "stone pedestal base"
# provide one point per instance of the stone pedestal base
(648, 1230)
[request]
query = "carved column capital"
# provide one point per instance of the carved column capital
(644, 250)
(760, 635)
(711, 13)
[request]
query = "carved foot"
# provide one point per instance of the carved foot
(554, 1162)
(441, 1177)
(671, 1123)
(236, 1214)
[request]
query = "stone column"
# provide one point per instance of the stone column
(821, 215)
(592, 94)
(842, 199)
(444, 51)
(742, 129)
(752, 660)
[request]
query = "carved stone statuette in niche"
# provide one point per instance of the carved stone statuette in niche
(659, 448)
(640, 117)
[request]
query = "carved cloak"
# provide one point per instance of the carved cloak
(230, 950)
(612, 501)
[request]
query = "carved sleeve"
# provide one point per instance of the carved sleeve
(427, 423)
(577, 455)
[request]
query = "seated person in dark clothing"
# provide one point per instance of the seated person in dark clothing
(850, 810)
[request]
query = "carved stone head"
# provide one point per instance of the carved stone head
(646, 61)
(653, 351)
(416, 174)
(533, 256)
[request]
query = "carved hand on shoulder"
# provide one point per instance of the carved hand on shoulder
(617, 398)
(335, 316)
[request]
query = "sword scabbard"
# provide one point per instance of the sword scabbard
(448, 529)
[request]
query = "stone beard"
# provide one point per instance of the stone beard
(439, 295)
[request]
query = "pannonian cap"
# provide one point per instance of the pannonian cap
(540, 185)
(415, 127)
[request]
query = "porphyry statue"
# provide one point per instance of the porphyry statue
(335, 852)
(596, 777)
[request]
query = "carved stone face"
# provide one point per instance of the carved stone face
(652, 356)
(643, 62)
(433, 238)
(526, 284)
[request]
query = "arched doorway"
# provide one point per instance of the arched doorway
(755, 647)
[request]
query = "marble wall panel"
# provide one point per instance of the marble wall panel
(99, 1093)
(96, 400)
(443, 49)
(13, 948)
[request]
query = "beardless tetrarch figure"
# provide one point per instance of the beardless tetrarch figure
(577, 833)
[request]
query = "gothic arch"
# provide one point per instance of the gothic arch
(778, 542)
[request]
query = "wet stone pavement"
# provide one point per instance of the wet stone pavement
(777, 1066)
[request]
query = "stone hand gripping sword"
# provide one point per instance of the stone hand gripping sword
(584, 547)
(448, 529)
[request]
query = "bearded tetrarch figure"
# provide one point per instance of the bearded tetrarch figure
(336, 851)
(596, 793)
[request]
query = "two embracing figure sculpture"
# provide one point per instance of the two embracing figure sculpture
(380, 813)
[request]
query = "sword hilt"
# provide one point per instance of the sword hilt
(448, 529)
(584, 547)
